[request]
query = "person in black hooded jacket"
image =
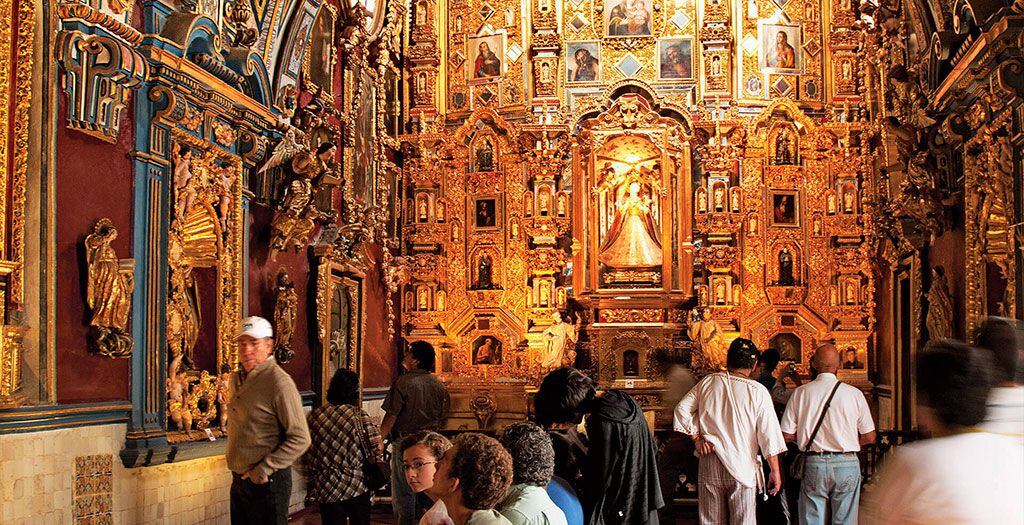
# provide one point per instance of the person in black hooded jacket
(620, 477)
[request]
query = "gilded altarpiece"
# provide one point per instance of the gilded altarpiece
(632, 232)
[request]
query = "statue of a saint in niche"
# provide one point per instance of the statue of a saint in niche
(719, 198)
(720, 292)
(631, 363)
(702, 201)
(484, 279)
(108, 292)
(286, 309)
(786, 268)
(485, 157)
(831, 207)
(633, 240)
(559, 343)
(735, 202)
(785, 153)
(848, 200)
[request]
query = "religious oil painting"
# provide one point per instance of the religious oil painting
(785, 211)
(628, 18)
(851, 361)
(363, 161)
(321, 50)
(485, 212)
(788, 344)
(675, 59)
(486, 58)
(583, 62)
(297, 46)
(487, 351)
(781, 50)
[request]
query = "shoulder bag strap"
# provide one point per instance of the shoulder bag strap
(821, 419)
(364, 437)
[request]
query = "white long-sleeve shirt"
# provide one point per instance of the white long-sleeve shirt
(736, 415)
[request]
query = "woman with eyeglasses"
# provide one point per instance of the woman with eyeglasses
(420, 454)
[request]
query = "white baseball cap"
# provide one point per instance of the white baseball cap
(256, 328)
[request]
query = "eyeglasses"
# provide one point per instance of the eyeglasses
(416, 466)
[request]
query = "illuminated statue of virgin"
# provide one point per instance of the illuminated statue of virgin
(633, 240)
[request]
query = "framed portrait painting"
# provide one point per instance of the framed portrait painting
(628, 18)
(486, 213)
(487, 351)
(675, 59)
(785, 209)
(583, 61)
(486, 58)
(320, 66)
(781, 48)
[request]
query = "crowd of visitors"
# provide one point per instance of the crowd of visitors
(591, 457)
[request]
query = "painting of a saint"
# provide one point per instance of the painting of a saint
(850, 361)
(487, 351)
(780, 48)
(784, 209)
(675, 59)
(788, 345)
(486, 53)
(628, 18)
(584, 66)
(486, 213)
(364, 150)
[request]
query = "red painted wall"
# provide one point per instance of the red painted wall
(380, 359)
(262, 286)
(94, 180)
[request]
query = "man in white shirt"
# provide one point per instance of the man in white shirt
(832, 471)
(1005, 414)
(730, 418)
(961, 475)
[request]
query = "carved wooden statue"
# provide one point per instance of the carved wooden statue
(940, 307)
(286, 308)
(786, 268)
(109, 293)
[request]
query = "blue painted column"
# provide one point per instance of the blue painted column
(146, 441)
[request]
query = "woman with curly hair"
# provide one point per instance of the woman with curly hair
(533, 464)
(472, 478)
(421, 453)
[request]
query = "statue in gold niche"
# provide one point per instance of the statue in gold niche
(109, 293)
(286, 306)
(711, 345)
(559, 344)
(633, 240)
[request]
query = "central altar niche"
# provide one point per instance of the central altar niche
(632, 233)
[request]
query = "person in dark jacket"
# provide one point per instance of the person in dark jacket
(620, 476)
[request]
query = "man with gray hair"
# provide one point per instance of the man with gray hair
(829, 421)
(267, 430)
(533, 465)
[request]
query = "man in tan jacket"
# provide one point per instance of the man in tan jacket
(267, 430)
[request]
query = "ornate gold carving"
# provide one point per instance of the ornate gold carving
(10, 365)
(632, 315)
(109, 292)
(72, 11)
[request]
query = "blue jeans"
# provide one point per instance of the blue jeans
(403, 499)
(831, 485)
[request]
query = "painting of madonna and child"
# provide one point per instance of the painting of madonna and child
(628, 18)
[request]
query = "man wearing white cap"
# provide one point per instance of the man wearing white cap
(267, 430)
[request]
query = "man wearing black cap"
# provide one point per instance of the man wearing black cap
(731, 419)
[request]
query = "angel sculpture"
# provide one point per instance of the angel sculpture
(285, 150)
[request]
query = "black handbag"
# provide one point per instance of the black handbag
(796, 468)
(376, 469)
